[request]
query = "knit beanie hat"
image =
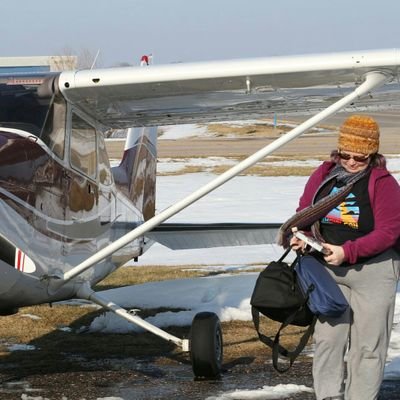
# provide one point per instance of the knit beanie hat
(359, 134)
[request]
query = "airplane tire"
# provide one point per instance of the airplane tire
(206, 345)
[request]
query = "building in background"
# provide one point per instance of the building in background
(30, 70)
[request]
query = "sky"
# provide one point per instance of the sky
(187, 30)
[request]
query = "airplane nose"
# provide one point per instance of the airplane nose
(9, 276)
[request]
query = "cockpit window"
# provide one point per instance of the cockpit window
(21, 108)
(83, 146)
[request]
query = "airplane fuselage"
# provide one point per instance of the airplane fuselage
(59, 201)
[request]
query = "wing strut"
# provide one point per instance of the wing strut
(372, 81)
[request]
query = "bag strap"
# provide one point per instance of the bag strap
(287, 251)
(265, 339)
(275, 345)
(291, 355)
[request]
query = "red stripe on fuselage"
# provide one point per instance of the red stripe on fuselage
(18, 260)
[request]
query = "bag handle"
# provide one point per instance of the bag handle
(276, 346)
(292, 355)
(265, 339)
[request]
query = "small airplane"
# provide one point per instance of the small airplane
(69, 219)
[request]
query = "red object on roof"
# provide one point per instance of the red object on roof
(145, 59)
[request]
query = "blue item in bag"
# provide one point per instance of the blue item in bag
(325, 296)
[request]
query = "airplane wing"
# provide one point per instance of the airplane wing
(198, 236)
(223, 90)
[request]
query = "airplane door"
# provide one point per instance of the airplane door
(81, 191)
(107, 200)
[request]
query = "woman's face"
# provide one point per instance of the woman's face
(353, 162)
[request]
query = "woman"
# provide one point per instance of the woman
(361, 233)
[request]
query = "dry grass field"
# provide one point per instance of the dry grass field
(257, 130)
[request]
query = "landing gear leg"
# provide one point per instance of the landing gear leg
(205, 344)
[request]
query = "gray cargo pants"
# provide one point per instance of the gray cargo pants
(362, 334)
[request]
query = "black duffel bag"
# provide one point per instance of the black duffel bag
(278, 295)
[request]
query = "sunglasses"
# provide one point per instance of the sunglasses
(345, 156)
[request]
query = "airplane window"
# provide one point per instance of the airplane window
(20, 108)
(53, 133)
(83, 146)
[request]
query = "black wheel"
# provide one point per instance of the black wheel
(206, 346)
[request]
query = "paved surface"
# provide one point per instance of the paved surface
(307, 144)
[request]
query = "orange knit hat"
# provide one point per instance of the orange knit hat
(359, 134)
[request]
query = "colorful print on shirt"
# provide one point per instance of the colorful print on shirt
(346, 213)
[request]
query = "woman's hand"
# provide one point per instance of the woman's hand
(336, 256)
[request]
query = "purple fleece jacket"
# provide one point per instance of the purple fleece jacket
(384, 194)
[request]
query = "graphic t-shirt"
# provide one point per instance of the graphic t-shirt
(352, 218)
